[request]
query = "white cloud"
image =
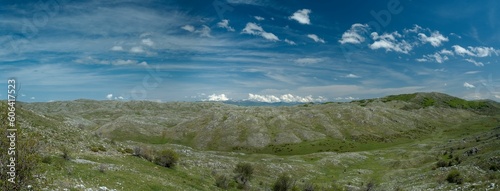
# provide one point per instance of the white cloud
(124, 62)
(290, 42)
(254, 29)
(225, 24)
(143, 63)
(354, 34)
(472, 72)
(259, 18)
(436, 57)
(446, 52)
(32, 97)
(483, 51)
(316, 38)
(352, 76)
(117, 48)
(308, 60)
(415, 29)
(136, 49)
(109, 96)
(474, 62)
(497, 96)
(462, 51)
(284, 98)
(390, 43)
(480, 51)
(436, 39)
(119, 97)
(301, 16)
(204, 31)
(467, 85)
(189, 28)
(214, 97)
(148, 42)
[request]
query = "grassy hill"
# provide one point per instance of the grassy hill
(399, 142)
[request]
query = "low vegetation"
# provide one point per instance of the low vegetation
(421, 141)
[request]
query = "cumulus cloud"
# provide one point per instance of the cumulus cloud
(290, 42)
(288, 98)
(147, 42)
(254, 29)
(474, 62)
(316, 38)
(215, 97)
(259, 18)
(117, 48)
(352, 76)
(461, 51)
(225, 24)
(483, 51)
(436, 39)
(355, 34)
(389, 42)
(308, 60)
(109, 96)
(301, 16)
(467, 85)
(189, 28)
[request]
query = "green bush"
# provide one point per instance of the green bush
(222, 181)
(454, 177)
(283, 183)
(167, 158)
(66, 153)
(244, 172)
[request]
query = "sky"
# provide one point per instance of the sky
(257, 50)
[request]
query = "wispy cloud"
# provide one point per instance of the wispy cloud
(290, 42)
(259, 18)
(467, 85)
(474, 62)
(352, 76)
(254, 29)
(302, 16)
(308, 60)
(189, 28)
(316, 38)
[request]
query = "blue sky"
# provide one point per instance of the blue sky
(249, 49)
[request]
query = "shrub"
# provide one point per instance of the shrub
(441, 163)
(283, 183)
(244, 172)
(309, 187)
(454, 177)
(167, 158)
(66, 153)
(222, 181)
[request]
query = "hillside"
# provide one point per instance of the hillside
(390, 143)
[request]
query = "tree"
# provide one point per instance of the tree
(244, 172)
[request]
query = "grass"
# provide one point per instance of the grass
(394, 155)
